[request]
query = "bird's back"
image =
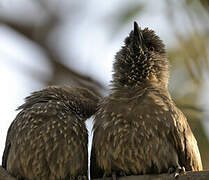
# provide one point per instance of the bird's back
(47, 139)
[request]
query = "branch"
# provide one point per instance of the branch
(38, 35)
(195, 175)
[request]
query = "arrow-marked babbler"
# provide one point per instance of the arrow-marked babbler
(48, 139)
(138, 129)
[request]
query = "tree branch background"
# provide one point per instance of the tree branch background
(59, 39)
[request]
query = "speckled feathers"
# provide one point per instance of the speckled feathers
(48, 139)
(137, 128)
(141, 62)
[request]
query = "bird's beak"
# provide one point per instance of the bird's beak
(138, 35)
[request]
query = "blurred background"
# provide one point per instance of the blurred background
(56, 42)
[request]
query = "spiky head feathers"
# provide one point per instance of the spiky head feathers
(141, 60)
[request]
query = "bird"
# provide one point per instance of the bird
(48, 139)
(138, 129)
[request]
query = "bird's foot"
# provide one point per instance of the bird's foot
(82, 178)
(72, 178)
(176, 171)
(105, 175)
(113, 174)
(122, 173)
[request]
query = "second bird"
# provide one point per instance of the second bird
(138, 129)
(48, 139)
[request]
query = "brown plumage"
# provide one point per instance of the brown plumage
(138, 129)
(48, 139)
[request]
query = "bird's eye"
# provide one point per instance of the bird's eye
(151, 48)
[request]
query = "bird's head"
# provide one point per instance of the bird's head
(142, 60)
(83, 101)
